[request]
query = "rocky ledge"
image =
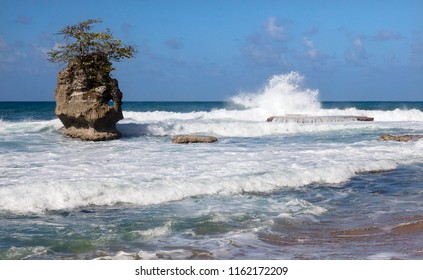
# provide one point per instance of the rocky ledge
(82, 101)
(186, 139)
(90, 134)
(317, 119)
(401, 138)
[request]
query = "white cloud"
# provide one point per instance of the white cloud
(358, 43)
(268, 47)
(314, 57)
(357, 55)
(311, 51)
(275, 30)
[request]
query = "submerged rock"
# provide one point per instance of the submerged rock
(82, 100)
(317, 119)
(401, 138)
(185, 139)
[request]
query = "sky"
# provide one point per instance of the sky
(211, 50)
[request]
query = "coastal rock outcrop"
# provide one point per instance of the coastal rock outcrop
(400, 138)
(82, 97)
(317, 119)
(186, 139)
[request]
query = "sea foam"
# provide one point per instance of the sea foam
(283, 94)
(42, 173)
(147, 176)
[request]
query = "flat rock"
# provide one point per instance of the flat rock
(317, 119)
(90, 134)
(401, 138)
(186, 139)
(364, 119)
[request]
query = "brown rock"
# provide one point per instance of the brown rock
(185, 139)
(317, 119)
(401, 138)
(364, 119)
(82, 101)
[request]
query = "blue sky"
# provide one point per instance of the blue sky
(212, 50)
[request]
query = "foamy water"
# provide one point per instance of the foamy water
(261, 186)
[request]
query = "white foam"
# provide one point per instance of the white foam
(304, 207)
(152, 170)
(16, 253)
(387, 256)
(7, 127)
(243, 128)
(419, 143)
(161, 172)
(142, 255)
(283, 94)
(396, 115)
(153, 232)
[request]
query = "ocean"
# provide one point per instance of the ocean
(265, 190)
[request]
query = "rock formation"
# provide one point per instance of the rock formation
(185, 139)
(317, 119)
(401, 138)
(83, 93)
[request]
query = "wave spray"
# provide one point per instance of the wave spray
(283, 94)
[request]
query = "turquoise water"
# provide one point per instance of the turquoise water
(263, 191)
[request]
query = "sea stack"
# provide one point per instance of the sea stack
(82, 100)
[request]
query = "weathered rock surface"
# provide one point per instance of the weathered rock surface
(82, 101)
(316, 119)
(186, 139)
(364, 119)
(401, 138)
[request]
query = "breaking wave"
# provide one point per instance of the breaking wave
(282, 95)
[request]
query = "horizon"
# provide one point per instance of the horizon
(213, 50)
(219, 101)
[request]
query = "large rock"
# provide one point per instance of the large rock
(82, 97)
(400, 138)
(186, 139)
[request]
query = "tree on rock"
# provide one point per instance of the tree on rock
(87, 44)
(85, 86)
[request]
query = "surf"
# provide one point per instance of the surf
(247, 112)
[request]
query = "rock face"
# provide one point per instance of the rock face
(401, 138)
(82, 97)
(186, 139)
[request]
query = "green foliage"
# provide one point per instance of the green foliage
(88, 46)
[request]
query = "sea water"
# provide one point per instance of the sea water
(265, 190)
